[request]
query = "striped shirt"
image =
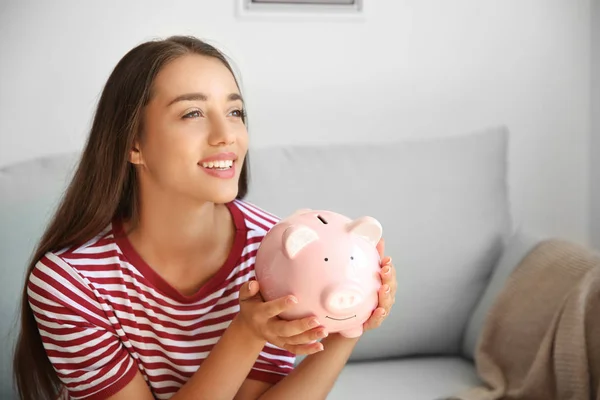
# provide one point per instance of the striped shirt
(104, 314)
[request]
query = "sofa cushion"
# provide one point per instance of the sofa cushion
(415, 379)
(445, 215)
(30, 193)
(518, 246)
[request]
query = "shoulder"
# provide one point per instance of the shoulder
(256, 218)
(69, 266)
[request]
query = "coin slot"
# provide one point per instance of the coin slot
(322, 219)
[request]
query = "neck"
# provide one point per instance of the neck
(176, 232)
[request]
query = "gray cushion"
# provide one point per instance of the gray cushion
(519, 245)
(30, 193)
(409, 379)
(445, 214)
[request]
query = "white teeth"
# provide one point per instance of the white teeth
(222, 164)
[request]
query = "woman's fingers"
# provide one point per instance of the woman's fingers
(376, 319)
(275, 307)
(381, 247)
(287, 329)
(386, 298)
(304, 349)
(307, 337)
(248, 290)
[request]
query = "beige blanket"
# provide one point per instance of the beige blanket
(541, 339)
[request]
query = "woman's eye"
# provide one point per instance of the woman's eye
(193, 114)
(238, 113)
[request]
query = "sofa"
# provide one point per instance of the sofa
(444, 206)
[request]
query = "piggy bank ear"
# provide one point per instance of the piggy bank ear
(366, 227)
(296, 237)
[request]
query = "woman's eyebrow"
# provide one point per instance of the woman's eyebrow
(202, 97)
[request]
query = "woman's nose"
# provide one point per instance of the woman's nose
(220, 133)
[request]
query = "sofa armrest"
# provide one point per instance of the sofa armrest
(516, 248)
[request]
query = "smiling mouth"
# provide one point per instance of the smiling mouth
(218, 164)
(340, 319)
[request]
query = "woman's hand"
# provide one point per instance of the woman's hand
(261, 318)
(387, 293)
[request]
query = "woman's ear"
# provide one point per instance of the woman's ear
(135, 154)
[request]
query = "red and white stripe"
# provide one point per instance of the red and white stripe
(102, 316)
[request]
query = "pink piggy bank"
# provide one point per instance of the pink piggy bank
(329, 262)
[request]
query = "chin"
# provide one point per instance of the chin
(222, 196)
(214, 190)
(224, 199)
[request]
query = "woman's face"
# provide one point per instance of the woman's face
(193, 140)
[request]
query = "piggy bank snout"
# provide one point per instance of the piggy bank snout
(342, 299)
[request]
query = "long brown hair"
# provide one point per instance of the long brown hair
(103, 187)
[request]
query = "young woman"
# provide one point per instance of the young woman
(142, 285)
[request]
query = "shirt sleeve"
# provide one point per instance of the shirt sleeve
(272, 365)
(82, 345)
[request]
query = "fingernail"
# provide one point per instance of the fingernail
(313, 323)
(322, 334)
(252, 285)
(383, 313)
(386, 270)
(386, 288)
(292, 300)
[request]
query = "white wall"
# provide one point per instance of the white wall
(413, 68)
(595, 131)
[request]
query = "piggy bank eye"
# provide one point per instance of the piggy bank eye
(326, 259)
(352, 257)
